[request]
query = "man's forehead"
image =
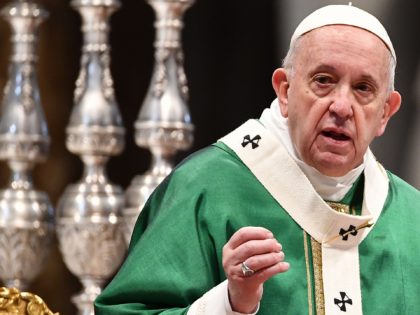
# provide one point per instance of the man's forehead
(344, 33)
(338, 48)
(343, 15)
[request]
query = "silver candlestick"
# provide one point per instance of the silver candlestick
(89, 212)
(164, 123)
(26, 215)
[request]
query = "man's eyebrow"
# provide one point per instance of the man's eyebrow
(324, 66)
(368, 77)
(330, 68)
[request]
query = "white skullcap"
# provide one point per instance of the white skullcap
(344, 15)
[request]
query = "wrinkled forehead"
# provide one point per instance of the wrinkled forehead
(343, 15)
(331, 37)
(334, 45)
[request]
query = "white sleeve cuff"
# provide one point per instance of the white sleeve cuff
(215, 301)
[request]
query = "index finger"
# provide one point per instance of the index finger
(248, 233)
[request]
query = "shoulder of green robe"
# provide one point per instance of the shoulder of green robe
(403, 203)
(206, 174)
(217, 153)
(403, 190)
(213, 163)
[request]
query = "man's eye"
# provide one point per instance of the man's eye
(364, 87)
(323, 79)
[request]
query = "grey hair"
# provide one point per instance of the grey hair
(289, 60)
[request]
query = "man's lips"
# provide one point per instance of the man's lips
(336, 134)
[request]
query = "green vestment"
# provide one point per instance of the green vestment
(175, 254)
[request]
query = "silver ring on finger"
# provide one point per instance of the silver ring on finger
(246, 271)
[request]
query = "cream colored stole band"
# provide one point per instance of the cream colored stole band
(339, 234)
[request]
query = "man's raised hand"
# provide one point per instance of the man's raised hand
(251, 257)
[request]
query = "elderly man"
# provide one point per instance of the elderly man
(208, 239)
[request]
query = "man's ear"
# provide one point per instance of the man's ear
(392, 106)
(281, 87)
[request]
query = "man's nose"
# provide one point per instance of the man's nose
(341, 104)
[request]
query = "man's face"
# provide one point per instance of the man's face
(337, 99)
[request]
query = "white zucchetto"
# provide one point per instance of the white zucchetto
(343, 15)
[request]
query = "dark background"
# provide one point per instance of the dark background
(231, 49)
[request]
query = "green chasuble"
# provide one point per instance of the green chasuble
(175, 254)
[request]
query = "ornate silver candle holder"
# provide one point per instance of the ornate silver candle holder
(164, 124)
(89, 212)
(26, 215)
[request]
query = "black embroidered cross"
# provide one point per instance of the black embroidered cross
(254, 141)
(345, 234)
(342, 303)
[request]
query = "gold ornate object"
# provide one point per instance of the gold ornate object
(318, 280)
(339, 207)
(12, 301)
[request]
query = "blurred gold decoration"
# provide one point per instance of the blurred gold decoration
(12, 301)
